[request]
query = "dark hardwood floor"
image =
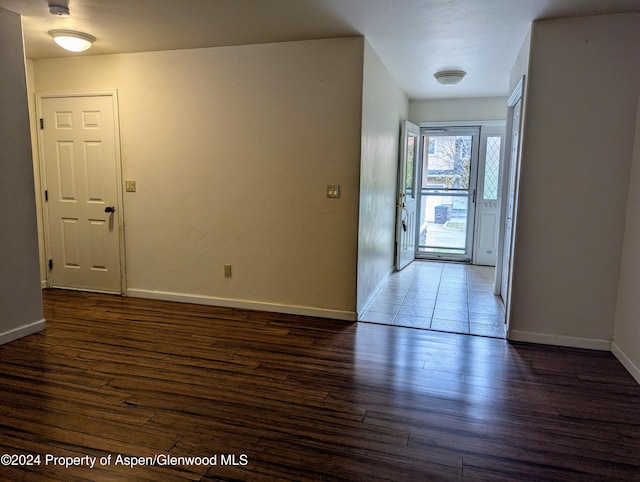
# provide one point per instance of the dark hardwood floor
(278, 397)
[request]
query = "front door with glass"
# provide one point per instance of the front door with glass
(447, 193)
(407, 206)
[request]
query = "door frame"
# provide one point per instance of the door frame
(113, 94)
(481, 125)
(443, 130)
(518, 95)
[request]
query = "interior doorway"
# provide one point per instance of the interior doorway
(451, 177)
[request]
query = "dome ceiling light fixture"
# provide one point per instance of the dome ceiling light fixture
(71, 40)
(449, 77)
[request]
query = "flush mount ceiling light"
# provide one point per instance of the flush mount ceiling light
(72, 40)
(449, 77)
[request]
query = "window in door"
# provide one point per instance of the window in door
(491, 169)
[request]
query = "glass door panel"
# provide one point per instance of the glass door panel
(447, 193)
(444, 223)
(448, 162)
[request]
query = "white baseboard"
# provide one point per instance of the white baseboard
(559, 340)
(43, 284)
(626, 362)
(243, 304)
(22, 331)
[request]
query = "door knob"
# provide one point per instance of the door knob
(110, 209)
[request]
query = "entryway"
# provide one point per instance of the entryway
(449, 188)
(440, 296)
(447, 213)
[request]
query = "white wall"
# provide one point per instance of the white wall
(20, 295)
(232, 149)
(384, 105)
(626, 336)
(583, 84)
(455, 110)
(521, 65)
(519, 69)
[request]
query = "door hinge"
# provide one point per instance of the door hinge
(41, 123)
(50, 264)
(46, 195)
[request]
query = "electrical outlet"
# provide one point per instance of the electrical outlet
(227, 271)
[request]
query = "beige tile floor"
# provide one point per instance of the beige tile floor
(450, 297)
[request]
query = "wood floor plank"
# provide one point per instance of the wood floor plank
(305, 398)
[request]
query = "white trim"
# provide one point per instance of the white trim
(559, 340)
(631, 367)
(43, 187)
(120, 189)
(518, 95)
(43, 284)
(22, 331)
(243, 304)
(77, 93)
(483, 123)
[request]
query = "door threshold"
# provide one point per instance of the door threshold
(445, 260)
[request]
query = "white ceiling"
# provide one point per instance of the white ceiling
(414, 38)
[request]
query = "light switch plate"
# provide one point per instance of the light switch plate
(333, 190)
(130, 185)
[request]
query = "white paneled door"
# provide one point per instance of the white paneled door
(81, 192)
(406, 204)
(488, 194)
